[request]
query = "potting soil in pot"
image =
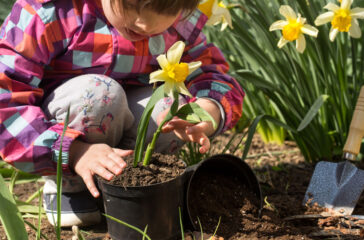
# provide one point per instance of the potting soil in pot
(162, 168)
(213, 195)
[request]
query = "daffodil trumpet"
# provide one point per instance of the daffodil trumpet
(173, 73)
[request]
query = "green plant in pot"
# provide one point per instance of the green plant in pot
(155, 206)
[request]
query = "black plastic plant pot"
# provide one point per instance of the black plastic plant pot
(223, 165)
(156, 206)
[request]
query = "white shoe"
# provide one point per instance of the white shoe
(77, 207)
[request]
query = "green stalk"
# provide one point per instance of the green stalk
(129, 226)
(361, 61)
(353, 57)
(14, 176)
(59, 178)
(39, 215)
(181, 223)
(35, 229)
(34, 195)
(172, 111)
(150, 148)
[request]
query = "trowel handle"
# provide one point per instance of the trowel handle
(356, 131)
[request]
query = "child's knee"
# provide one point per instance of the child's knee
(86, 95)
(97, 106)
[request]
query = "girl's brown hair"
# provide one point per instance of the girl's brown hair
(167, 7)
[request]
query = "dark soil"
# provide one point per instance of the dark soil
(162, 168)
(283, 176)
(214, 196)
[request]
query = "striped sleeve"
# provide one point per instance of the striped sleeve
(28, 42)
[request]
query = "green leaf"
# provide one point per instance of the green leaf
(193, 113)
(181, 224)
(2, 164)
(312, 112)
(59, 176)
(143, 123)
(173, 109)
(129, 225)
(251, 132)
(6, 6)
(253, 126)
(279, 123)
(6, 172)
(35, 229)
(28, 208)
(10, 216)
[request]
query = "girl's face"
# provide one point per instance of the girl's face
(136, 26)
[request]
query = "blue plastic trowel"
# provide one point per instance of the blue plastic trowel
(338, 186)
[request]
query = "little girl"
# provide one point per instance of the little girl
(95, 56)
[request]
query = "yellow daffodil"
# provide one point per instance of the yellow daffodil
(174, 73)
(217, 13)
(343, 19)
(341, 1)
(293, 28)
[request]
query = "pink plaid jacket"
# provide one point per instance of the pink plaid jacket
(45, 42)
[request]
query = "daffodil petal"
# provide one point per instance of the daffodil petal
(287, 12)
(192, 66)
(162, 61)
(175, 52)
(357, 13)
(345, 4)
(301, 43)
(354, 30)
(215, 6)
(217, 10)
(309, 30)
(224, 25)
(301, 19)
(210, 21)
(278, 25)
(228, 19)
(214, 20)
(182, 89)
(282, 42)
(332, 7)
(324, 18)
(168, 88)
(333, 33)
(157, 76)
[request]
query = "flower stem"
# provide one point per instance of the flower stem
(172, 111)
(150, 148)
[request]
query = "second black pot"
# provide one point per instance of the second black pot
(223, 165)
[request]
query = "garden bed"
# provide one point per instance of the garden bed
(284, 177)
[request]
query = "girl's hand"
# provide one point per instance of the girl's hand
(194, 132)
(101, 159)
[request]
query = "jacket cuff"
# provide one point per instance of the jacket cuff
(222, 119)
(63, 153)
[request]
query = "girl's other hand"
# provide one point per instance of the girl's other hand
(189, 132)
(88, 159)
